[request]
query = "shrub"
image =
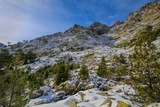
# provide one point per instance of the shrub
(122, 104)
(62, 73)
(83, 73)
(102, 69)
(145, 73)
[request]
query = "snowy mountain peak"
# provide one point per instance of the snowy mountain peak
(75, 29)
(99, 28)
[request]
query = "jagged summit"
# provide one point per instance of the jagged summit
(99, 28)
(75, 38)
(75, 29)
(76, 26)
(96, 28)
(78, 36)
(96, 24)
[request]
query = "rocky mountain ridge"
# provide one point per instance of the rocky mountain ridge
(72, 39)
(81, 45)
(94, 40)
(97, 33)
(139, 22)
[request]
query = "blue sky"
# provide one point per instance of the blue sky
(28, 19)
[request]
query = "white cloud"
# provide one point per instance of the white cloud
(27, 19)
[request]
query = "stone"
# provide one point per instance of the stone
(122, 104)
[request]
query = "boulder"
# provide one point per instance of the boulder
(80, 86)
(41, 102)
(60, 96)
(82, 95)
(89, 86)
(122, 104)
(103, 88)
(107, 101)
(45, 89)
(67, 87)
(36, 94)
(72, 103)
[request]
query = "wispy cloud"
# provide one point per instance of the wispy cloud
(23, 19)
(28, 19)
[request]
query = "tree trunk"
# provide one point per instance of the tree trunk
(11, 97)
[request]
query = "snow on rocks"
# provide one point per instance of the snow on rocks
(43, 61)
(95, 98)
(47, 96)
(45, 89)
(93, 54)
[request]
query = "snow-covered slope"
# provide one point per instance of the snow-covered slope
(89, 98)
(95, 98)
(76, 43)
(75, 39)
(89, 45)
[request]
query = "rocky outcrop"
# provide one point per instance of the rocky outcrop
(99, 28)
(147, 15)
(60, 96)
(107, 101)
(67, 88)
(138, 22)
(36, 94)
(94, 29)
(72, 103)
(122, 104)
(42, 91)
(75, 29)
(116, 24)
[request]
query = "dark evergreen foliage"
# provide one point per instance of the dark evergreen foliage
(102, 69)
(145, 73)
(62, 72)
(84, 73)
(13, 84)
(5, 58)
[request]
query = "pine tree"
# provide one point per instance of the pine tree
(145, 73)
(62, 73)
(19, 53)
(5, 58)
(121, 65)
(30, 57)
(83, 73)
(102, 69)
(13, 82)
